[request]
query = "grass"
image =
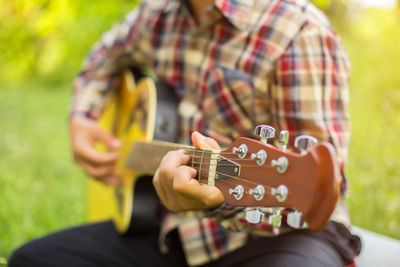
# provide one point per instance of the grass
(374, 167)
(41, 190)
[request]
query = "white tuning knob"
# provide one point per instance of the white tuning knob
(280, 193)
(257, 192)
(265, 132)
(238, 192)
(304, 143)
(254, 216)
(295, 219)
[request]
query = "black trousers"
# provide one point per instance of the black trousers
(100, 245)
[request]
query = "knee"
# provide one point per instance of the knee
(23, 256)
(19, 258)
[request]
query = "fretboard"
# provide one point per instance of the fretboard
(146, 156)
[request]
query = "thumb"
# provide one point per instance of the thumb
(203, 142)
(108, 139)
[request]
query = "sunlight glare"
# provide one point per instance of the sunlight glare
(377, 3)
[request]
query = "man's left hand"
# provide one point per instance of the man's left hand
(175, 184)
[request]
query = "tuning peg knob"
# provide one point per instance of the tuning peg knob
(280, 193)
(295, 219)
(254, 216)
(265, 132)
(283, 139)
(304, 143)
(258, 192)
(238, 192)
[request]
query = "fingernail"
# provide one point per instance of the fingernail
(202, 138)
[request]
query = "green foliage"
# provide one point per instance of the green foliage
(372, 40)
(38, 37)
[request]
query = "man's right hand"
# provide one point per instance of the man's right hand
(85, 133)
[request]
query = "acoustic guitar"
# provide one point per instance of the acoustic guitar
(250, 173)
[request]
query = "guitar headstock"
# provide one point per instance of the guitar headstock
(252, 173)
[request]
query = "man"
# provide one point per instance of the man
(234, 64)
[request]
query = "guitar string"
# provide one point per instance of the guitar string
(241, 179)
(238, 159)
(232, 164)
(222, 154)
(235, 160)
(245, 187)
(194, 151)
(207, 151)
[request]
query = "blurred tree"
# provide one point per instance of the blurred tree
(323, 4)
(38, 37)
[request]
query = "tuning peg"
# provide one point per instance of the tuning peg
(275, 219)
(264, 132)
(304, 143)
(283, 139)
(254, 216)
(241, 151)
(295, 219)
(280, 193)
(257, 192)
(238, 192)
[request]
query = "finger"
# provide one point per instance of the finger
(171, 161)
(114, 180)
(203, 142)
(108, 139)
(183, 179)
(159, 189)
(98, 172)
(84, 150)
(184, 184)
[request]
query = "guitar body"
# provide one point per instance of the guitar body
(139, 111)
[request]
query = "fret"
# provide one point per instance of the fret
(201, 164)
(191, 160)
(197, 162)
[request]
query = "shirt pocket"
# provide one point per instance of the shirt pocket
(228, 101)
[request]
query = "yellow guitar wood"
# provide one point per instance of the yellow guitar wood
(130, 116)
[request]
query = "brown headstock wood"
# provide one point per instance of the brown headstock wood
(311, 180)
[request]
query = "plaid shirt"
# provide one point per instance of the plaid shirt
(247, 62)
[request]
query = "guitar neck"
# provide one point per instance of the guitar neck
(146, 156)
(252, 174)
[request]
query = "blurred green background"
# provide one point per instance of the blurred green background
(42, 44)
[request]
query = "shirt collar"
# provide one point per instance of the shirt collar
(243, 14)
(240, 13)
